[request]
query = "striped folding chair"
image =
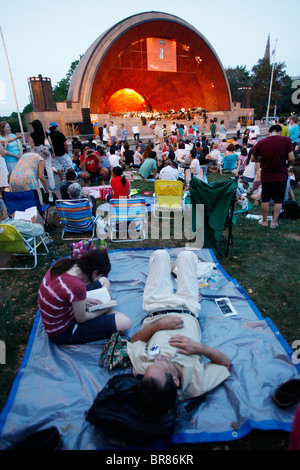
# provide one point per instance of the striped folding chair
(75, 217)
(13, 243)
(127, 219)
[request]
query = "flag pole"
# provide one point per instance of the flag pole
(12, 84)
(271, 83)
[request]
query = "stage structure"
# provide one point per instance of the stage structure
(150, 61)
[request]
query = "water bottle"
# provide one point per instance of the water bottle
(245, 204)
(214, 279)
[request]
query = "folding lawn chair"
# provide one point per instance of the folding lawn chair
(218, 198)
(127, 219)
(12, 242)
(75, 216)
(21, 201)
(229, 163)
(168, 197)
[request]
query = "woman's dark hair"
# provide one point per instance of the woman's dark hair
(230, 147)
(37, 126)
(117, 171)
(94, 260)
(156, 399)
(247, 161)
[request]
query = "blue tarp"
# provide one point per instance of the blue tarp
(56, 385)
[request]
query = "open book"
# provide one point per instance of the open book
(26, 215)
(101, 294)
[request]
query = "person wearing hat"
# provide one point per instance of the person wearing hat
(158, 139)
(62, 161)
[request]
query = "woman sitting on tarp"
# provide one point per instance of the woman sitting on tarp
(62, 300)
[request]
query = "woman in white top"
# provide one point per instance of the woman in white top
(182, 154)
(249, 171)
(222, 131)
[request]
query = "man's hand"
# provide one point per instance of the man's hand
(185, 345)
(170, 322)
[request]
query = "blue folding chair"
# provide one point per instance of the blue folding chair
(21, 201)
(229, 163)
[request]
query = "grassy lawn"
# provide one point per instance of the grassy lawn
(264, 261)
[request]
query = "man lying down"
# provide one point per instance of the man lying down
(167, 350)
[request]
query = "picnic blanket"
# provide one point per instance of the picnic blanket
(56, 385)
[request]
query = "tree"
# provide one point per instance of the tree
(288, 104)
(237, 78)
(60, 91)
(260, 84)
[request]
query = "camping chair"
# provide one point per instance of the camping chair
(75, 216)
(127, 219)
(168, 197)
(218, 198)
(12, 242)
(229, 163)
(21, 201)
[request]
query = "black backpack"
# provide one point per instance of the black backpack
(117, 412)
(290, 210)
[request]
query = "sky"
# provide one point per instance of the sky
(45, 38)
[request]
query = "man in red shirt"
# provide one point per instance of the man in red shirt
(89, 161)
(275, 153)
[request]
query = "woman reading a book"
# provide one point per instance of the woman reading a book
(63, 303)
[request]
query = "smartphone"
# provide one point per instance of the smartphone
(225, 307)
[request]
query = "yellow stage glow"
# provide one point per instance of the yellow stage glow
(126, 100)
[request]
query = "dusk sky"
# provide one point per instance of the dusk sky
(45, 38)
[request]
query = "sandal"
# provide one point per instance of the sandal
(261, 223)
(274, 225)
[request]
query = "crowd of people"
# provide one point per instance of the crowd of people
(263, 170)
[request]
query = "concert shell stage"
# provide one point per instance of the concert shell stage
(119, 71)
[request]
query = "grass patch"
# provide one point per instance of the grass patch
(264, 261)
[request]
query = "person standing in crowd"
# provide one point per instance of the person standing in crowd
(12, 146)
(213, 129)
(158, 139)
(238, 129)
(285, 129)
(274, 153)
(3, 171)
(136, 133)
(123, 134)
(113, 133)
(105, 135)
(294, 130)
(62, 160)
(222, 130)
(38, 136)
(30, 172)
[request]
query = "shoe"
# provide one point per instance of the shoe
(274, 225)
(46, 439)
(260, 221)
(287, 394)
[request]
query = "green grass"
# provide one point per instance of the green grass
(264, 261)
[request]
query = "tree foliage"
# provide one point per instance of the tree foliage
(60, 91)
(259, 79)
(238, 77)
